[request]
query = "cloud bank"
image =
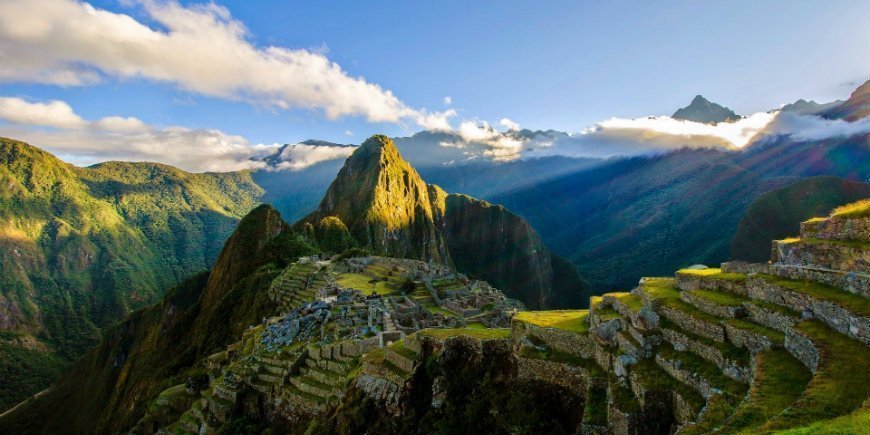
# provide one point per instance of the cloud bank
(640, 136)
(300, 156)
(56, 127)
(199, 48)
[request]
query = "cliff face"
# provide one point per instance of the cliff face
(384, 203)
(391, 211)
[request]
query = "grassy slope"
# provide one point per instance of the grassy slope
(83, 247)
(778, 213)
(154, 348)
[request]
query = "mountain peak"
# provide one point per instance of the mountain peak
(855, 108)
(702, 110)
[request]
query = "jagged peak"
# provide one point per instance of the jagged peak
(703, 110)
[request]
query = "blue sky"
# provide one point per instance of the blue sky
(564, 66)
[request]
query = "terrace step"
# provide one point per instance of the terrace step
(755, 337)
(850, 281)
(711, 279)
(717, 303)
(845, 312)
(778, 382)
(840, 383)
(313, 386)
(323, 376)
(624, 414)
(733, 361)
(696, 372)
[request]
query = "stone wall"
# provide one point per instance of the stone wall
(803, 348)
(688, 282)
(572, 377)
(681, 342)
(831, 255)
(837, 229)
(713, 331)
(560, 340)
(744, 267)
(835, 316)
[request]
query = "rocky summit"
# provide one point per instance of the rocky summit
(383, 205)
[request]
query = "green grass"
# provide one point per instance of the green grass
(713, 273)
(854, 303)
(719, 298)
(606, 314)
(622, 397)
(856, 209)
(364, 283)
(476, 325)
(788, 312)
(400, 348)
(664, 291)
(779, 380)
(443, 311)
(595, 408)
(633, 302)
(717, 411)
(855, 423)
(568, 320)
(482, 334)
(840, 384)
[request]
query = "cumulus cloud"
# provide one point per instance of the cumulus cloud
(52, 114)
(447, 100)
(509, 125)
(199, 48)
(57, 128)
(300, 156)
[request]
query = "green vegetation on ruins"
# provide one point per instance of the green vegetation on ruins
(850, 301)
(364, 283)
(715, 273)
(482, 334)
(858, 209)
(569, 320)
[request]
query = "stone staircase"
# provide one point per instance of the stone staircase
(741, 348)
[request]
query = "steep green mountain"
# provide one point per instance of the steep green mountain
(159, 346)
(777, 214)
(702, 110)
(644, 216)
(390, 210)
(80, 248)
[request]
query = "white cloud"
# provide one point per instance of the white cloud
(439, 121)
(52, 114)
(509, 125)
(300, 156)
(447, 100)
(200, 48)
(56, 127)
(348, 133)
(808, 127)
(120, 124)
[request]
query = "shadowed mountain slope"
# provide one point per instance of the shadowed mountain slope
(777, 214)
